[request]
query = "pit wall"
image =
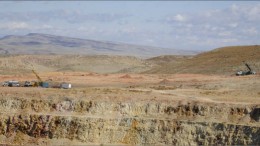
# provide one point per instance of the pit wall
(142, 123)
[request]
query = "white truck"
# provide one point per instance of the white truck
(65, 85)
(11, 83)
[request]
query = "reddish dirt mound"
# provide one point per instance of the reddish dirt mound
(126, 76)
(164, 81)
(91, 74)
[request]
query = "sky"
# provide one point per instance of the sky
(186, 25)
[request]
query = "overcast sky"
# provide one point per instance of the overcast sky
(188, 25)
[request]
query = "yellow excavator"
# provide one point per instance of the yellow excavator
(39, 83)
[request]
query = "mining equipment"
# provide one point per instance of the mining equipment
(248, 72)
(39, 83)
(11, 83)
(5, 83)
(30, 83)
(65, 85)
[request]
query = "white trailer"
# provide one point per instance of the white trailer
(65, 85)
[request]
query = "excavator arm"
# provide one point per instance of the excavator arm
(38, 77)
(249, 68)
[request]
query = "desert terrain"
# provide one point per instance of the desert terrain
(131, 109)
(130, 100)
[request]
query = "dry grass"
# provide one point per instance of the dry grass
(22, 64)
(227, 60)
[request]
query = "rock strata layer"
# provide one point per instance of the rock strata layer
(45, 121)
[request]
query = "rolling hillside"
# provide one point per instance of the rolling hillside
(23, 64)
(48, 53)
(35, 43)
(226, 60)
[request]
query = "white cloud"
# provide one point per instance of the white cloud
(71, 16)
(46, 26)
(251, 31)
(233, 25)
(229, 40)
(254, 13)
(18, 25)
(14, 25)
(179, 18)
(176, 18)
(238, 23)
(225, 33)
(129, 30)
(234, 8)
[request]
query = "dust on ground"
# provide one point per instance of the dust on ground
(206, 88)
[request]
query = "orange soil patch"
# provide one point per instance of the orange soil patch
(126, 77)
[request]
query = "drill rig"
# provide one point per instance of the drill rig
(248, 72)
(39, 83)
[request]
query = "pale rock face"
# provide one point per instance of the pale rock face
(131, 123)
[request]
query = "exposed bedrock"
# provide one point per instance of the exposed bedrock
(138, 123)
(129, 130)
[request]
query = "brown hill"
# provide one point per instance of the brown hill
(22, 64)
(160, 60)
(226, 60)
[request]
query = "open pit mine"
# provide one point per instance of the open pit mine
(123, 116)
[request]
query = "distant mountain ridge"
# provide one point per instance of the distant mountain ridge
(36, 43)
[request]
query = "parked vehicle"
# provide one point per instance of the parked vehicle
(5, 83)
(65, 85)
(28, 84)
(11, 83)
